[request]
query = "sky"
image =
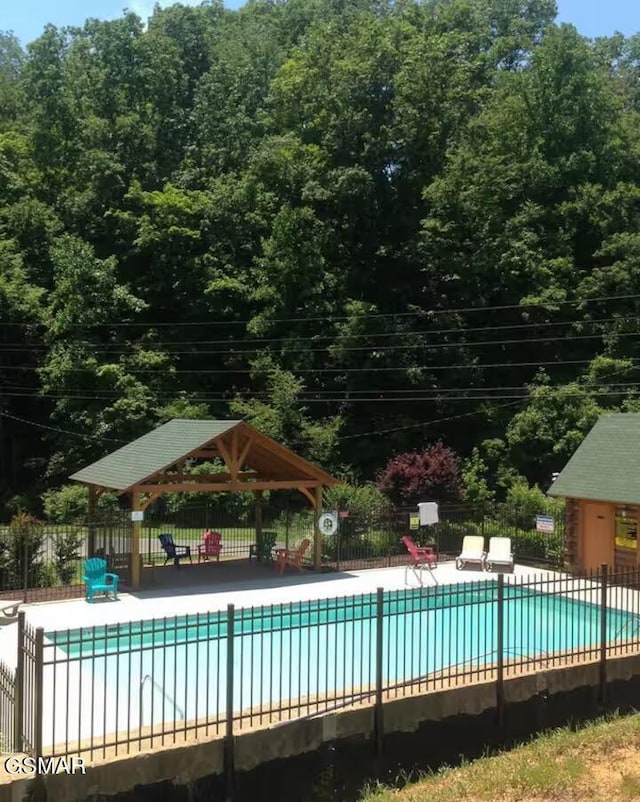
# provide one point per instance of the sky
(27, 18)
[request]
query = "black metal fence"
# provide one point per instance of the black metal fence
(43, 561)
(7, 708)
(109, 690)
(375, 540)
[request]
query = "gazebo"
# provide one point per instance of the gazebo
(157, 463)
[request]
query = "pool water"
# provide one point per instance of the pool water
(162, 670)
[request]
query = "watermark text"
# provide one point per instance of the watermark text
(30, 766)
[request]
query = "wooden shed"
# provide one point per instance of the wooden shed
(601, 484)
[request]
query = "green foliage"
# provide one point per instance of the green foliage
(21, 546)
(70, 504)
(67, 553)
(474, 480)
(283, 417)
(360, 500)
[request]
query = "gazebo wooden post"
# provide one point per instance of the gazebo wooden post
(258, 500)
(317, 534)
(135, 542)
(91, 516)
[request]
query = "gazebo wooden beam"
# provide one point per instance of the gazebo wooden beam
(244, 453)
(196, 478)
(221, 487)
(152, 497)
(224, 453)
(307, 494)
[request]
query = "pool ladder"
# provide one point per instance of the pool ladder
(158, 687)
(632, 622)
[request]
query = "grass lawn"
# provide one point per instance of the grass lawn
(600, 762)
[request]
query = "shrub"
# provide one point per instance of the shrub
(416, 475)
(21, 545)
(66, 552)
(70, 504)
(359, 500)
(474, 479)
(448, 535)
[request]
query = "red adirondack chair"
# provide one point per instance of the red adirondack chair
(211, 547)
(420, 557)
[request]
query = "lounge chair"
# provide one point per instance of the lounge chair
(211, 547)
(9, 610)
(499, 553)
(293, 558)
(419, 557)
(98, 580)
(472, 551)
(173, 552)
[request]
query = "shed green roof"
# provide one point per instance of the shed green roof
(152, 452)
(606, 466)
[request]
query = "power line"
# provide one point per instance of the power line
(60, 431)
(425, 346)
(367, 315)
(126, 347)
(490, 394)
(427, 423)
(472, 366)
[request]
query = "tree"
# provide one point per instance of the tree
(283, 417)
(422, 475)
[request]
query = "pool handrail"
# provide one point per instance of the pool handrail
(158, 687)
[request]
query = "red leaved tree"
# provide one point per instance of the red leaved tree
(429, 475)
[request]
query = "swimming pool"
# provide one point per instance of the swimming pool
(149, 672)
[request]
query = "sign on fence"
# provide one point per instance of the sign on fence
(544, 523)
(414, 521)
(328, 523)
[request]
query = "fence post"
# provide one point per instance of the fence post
(500, 654)
(38, 693)
(229, 751)
(18, 696)
(379, 711)
(603, 635)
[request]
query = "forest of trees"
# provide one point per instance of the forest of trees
(365, 226)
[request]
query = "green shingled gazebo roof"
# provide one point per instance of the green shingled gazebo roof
(152, 452)
(606, 466)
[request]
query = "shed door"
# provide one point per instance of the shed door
(597, 536)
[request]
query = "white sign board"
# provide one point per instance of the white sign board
(544, 523)
(328, 523)
(428, 511)
(137, 515)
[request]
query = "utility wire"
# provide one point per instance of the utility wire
(126, 347)
(363, 316)
(60, 431)
(427, 423)
(435, 396)
(425, 347)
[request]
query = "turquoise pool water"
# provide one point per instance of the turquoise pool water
(160, 670)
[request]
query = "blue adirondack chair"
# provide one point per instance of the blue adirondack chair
(98, 580)
(173, 552)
